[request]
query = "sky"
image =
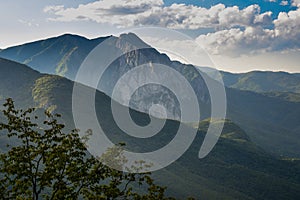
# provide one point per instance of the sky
(235, 36)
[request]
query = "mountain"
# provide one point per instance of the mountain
(16, 81)
(259, 81)
(59, 55)
(287, 96)
(64, 54)
(270, 120)
(67, 52)
(237, 162)
(235, 169)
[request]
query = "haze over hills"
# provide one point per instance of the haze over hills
(235, 169)
(263, 81)
(136, 79)
(260, 114)
(59, 55)
(63, 55)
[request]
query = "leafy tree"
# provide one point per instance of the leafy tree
(48, 163)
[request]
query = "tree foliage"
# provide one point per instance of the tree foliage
(47, 163)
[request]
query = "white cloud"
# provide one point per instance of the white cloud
(284, 3)
(238, 31)
(287, 29)
(144, 12)
(236, 41)
(296, 3)
(249, 16)
(117, 12)
(53, 9)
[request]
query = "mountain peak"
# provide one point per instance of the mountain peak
(133, 39)
(71, 35)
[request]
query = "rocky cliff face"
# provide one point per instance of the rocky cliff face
(148, 74)
(64, 55)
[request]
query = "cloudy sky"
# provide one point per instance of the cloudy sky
(237, 36)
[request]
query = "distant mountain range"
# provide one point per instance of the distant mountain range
(256, 156)
(236, 168)
(256, 101)
(64, 54)
(259, 81)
